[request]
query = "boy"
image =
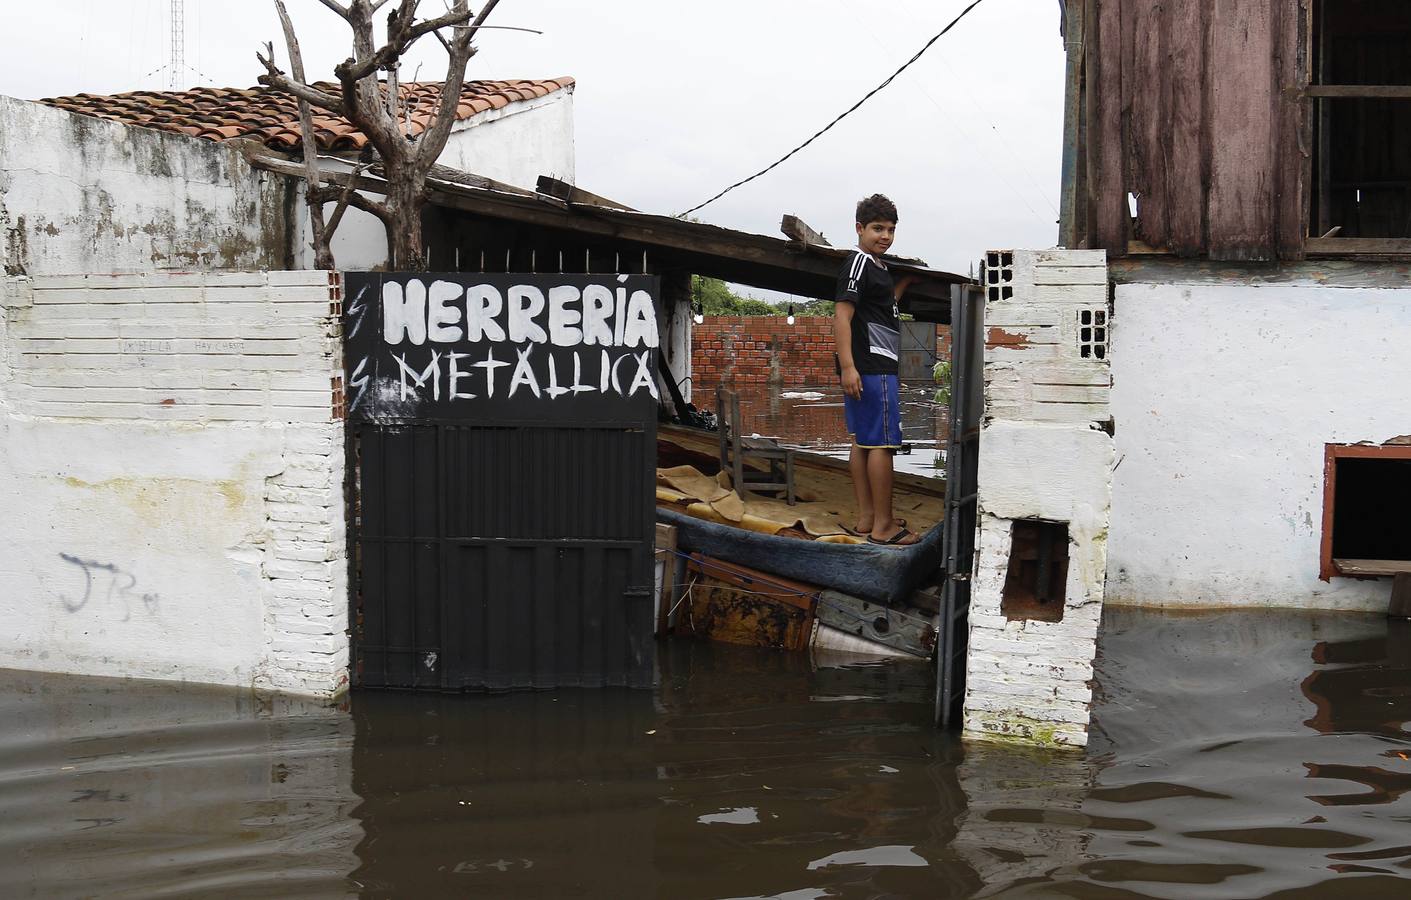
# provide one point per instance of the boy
(866, 328)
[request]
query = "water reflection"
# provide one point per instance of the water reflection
(146, 789)
(1205, 733)
(1233, 755)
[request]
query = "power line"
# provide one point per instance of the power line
(849, 111)
(956, 123)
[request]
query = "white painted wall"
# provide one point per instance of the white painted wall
(82, 194)
(171, 470)
(517, 143)
(1224, 395)
(1043, 456)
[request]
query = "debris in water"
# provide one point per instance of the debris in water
(890, 855)
(740, 815)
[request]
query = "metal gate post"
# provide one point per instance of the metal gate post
(967, 312)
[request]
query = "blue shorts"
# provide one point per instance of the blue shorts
(874, 419)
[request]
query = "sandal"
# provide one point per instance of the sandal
(901, 523)
(897, 540)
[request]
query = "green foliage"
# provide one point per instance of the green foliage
(941, 374)
(716, 299)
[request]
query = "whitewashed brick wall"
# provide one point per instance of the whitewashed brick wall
(175, 439)
(1043, 455)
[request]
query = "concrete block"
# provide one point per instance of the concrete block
(304, 626)
(298, 277)
(304, 415)
(301, 644)
(313, 441)
(1051, 274)
(291, 513)
(224, 378)
(300, 593)
(299, 476)
(316, 399)
(57, 331)
(219, 280)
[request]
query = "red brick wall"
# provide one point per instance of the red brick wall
(757, 349)
(743, 350)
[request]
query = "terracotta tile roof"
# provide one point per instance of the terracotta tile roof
(260, 113)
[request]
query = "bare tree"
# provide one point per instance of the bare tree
(373, 107)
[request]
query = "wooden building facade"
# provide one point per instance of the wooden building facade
(1238, 129)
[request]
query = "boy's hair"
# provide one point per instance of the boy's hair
(876, 208)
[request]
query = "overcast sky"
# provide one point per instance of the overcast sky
(678, 98)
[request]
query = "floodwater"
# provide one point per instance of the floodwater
(1248, 754)
(810, 417)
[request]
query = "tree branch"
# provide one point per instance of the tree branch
(485, 11)
(323, 256)
(341, 10)
(433, 140)
(345, 197)
(363, 102)
(400, 36)
(276, 79)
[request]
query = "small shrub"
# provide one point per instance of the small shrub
(941, 374)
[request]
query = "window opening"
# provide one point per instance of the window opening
(1361, 78)
(1036, 584)
(1367, 495)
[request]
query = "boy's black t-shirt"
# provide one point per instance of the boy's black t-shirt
(876, 325)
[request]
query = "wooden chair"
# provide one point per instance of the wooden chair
(736, 450)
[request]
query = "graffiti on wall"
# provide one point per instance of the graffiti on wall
(110, 582)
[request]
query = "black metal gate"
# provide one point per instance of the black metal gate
(962, 479)
(502, 443)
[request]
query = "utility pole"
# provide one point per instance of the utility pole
(176, 66)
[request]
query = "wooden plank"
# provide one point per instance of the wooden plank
(1324, 139)
(1240, 75)
(1187, 163)
(1293, 139)
(1109, 217)
(1326, 567)
(1146, 87)
(570, 193)
(1342, 270)
(796, 229)
(449, 175)
(1068, 229)
(1400, 605)
(1373, 566)
(1336, 246)
(1376, 91)
(711, 250)
(666, 551)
